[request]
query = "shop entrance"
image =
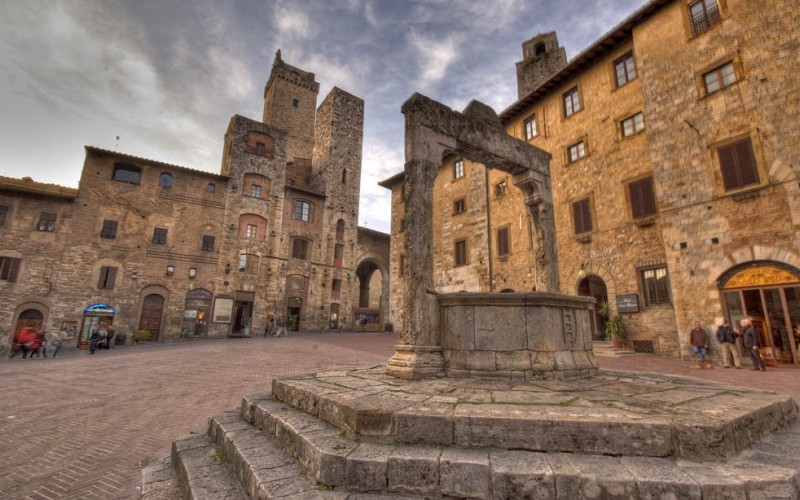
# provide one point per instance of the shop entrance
(243, 313)
(294, 308)
(196, 313)
(95, 317)
(768, 293)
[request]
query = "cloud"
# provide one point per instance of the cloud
(433, 56)
(292, 24)
(380, 161)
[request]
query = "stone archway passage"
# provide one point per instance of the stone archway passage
(432, 131)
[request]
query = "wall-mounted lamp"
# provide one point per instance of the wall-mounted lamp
(170, 270)
(231, 226)
(135, 275)
(272, 233)
(582, 272)
(228, 268)
(192, 272)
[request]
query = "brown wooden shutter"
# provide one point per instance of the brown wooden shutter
(727, 166)
(102, 280)
(746, 162)
(643, 201)
(111, 278)
(582, 216)
(14, 271)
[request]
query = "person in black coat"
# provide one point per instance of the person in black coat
(752, 343)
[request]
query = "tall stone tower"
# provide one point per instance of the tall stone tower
(290, 101)
(541, 58)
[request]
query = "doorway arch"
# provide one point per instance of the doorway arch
(150, 317)
(594, 286)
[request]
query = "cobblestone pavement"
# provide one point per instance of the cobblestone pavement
(78, 426)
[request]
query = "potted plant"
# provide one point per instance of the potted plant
(614, 324)
(141, 336)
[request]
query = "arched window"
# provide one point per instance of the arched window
(211, 188)
(296, 282)
(248, 263)
(338, 255)
(252, 226)
(125, 172)
(165, 179)
(340, 230)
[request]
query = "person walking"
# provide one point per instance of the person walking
(35, 344)
(752, 343)
(698, 338)
(280, 327)
(23, 342)
(56, 342)
(727, 343)
(94, 339)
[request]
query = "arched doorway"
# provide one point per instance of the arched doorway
(594, 286)
(150, 319)
(31, 318)
(196, 313)
(769, 293)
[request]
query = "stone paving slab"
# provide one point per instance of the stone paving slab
(614, 413)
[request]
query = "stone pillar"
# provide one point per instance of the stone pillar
(419, 352)
(538, 199)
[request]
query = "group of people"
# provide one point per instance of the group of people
(32, 343)
(726, 336)
(100, 337)
(275, 327)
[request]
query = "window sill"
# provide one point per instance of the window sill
(645, 221)
(583, 238)
(747, 194)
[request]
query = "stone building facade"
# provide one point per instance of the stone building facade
(181, 253)
(675, 165)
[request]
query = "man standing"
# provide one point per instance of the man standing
(727, 343)
(752, 342)
(699, 341)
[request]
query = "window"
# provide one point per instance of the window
(576, 152)
(458, 169)
(296, 282)
(255, 191)
(300, 249)
(530, 127)
(251, 231)
(159, 236)
(632, 125)
(655, 283)
(208, 243)
(107, 277)
(9, 269)
(295, 103)
(340, 230)
(572, 102)
(165, 180)
(461, 252)
(643, 202)
(211, 188)
(703, 15)
(624, 69)
(127, 173)
(582, 216)
(459, 206)
(719, 78)
(261, 148)
(248, 263)
(500, 189)
(336, 288)
(109, 230)
(344, 176)
(3, 214)
(503, 247)
(738, 165)
(338, 255)
(47, 222)
(301, 210)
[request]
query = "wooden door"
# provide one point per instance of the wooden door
(150, 320)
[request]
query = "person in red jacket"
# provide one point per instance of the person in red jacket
(35, 344)
(23, 342)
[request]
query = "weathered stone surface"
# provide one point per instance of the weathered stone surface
(367, 467)
(464, 473)
(414, 469)
(517, 474)
(425, 423)
(659, 478)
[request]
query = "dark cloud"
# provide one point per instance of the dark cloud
(167, 76)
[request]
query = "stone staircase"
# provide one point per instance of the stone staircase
(362, 435)
(606, 348)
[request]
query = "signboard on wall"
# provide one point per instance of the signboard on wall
(628, 303)
(223, 310)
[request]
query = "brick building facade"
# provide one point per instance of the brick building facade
(675, 163)
(152, 246)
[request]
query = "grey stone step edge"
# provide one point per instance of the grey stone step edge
(158, 480)
(768, 471)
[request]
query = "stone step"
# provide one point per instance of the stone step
(159, 481)
(202, 470)
(363, 465)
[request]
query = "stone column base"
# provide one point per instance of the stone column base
(414, 362)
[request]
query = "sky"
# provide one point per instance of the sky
(161, 79)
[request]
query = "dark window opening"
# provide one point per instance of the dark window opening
(109, 230)
(738, 165)
(582, 216)
(300, 249)
(127, 173)
(503, 243)
(643, 201)
(208, 243)
(655, 282)
(108, 276)
(47, 222)
(9, 268)
(461, 252)
(159, 236)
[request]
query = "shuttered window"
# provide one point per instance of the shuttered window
(9, 269)
(738, 165)
(643, 202)
(109, 230)
(461, 252)
(503, 247)
(582, 216)
(108, 276)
